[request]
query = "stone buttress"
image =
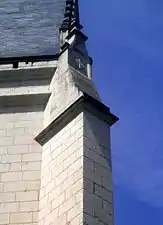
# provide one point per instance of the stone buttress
(55, 153)
(76, 174)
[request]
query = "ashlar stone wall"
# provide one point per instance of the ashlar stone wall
(98, 199)
(20, 162)
(76, 181)
(62, 176)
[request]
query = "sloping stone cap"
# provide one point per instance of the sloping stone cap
(84, 103)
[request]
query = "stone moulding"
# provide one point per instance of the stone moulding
(84, 103)
(26, 86)
(31, 100)
(26, 74)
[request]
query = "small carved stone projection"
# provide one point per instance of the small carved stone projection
(80, 63)
(30, 27)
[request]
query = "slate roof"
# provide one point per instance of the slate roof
(30, 27)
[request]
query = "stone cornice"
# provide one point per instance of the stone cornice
(9, 77)
(84, 103)
(29, 101)
(15, 61)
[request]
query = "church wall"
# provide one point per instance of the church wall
(61, 193)
(76, 176)
(20, 162)
(98, 201)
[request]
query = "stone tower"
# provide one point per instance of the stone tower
(55, 161)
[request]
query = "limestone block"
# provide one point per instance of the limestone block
(14, 186)
(59, 200)
(34, 147)
(103, 216)
(52, 216)
(18, 149)
(93, 176)
(11, 176)
(78, 220)
(60, 220)
(66, 206)
(21, 218)
(1, 187)
(29, 206)
(4, 141)
(4, 167)
(9, 207)
(33, 185)
(15, 131)
(27, 196)
(31, 166)
(23, 140)
(7, 197)
(75, 211)
(16, 167)
(108, 207)
(75, 166)
(4, 218)
(88, 185)
(11, 158)
(91, 202)
(31, 175)
(74, 188)
(2, 132)
(90, 220)
(32, 157)
(96, 157)
(44, 200)
(3, 150)
(103, 193)
(61, 177)
(45, 211)
(35, 217)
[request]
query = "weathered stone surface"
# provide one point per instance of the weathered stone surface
(68, 180)
(19, 168)
(30, 27)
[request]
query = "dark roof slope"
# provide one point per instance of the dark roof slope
(30, 27)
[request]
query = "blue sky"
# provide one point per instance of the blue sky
(126, 43)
